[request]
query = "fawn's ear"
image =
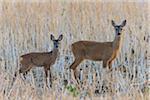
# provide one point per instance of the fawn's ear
(113, 23)
(123, 23)
(52, 37)
(60, 37)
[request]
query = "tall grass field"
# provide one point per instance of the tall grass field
(26, 26)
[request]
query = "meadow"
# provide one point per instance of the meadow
(26, 27)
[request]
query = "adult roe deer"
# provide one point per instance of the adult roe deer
(36, 59)
(97, 51)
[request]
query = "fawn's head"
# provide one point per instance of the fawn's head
(56, 42)
(118, 28)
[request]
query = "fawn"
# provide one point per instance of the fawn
(45, 59)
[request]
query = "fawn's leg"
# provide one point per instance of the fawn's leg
(24, 70)
(47, 69)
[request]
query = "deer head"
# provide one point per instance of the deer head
(118, 28)
(56, 42)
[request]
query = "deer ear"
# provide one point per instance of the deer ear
(123, 23)
(52, 37)
(113, 23)
(60, 37)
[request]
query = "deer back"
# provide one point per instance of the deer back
(39, 59)
(92, 50)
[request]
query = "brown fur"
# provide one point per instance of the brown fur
(44, 59)
(98, 51)
(37, 59)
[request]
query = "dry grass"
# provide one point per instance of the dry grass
(26, 27)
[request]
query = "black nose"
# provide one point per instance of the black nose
(119, 33)
(56, 46)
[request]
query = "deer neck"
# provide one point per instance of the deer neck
(55, 51)
(117, 42)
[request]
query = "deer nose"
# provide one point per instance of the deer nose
(56, 45)
(119, 33)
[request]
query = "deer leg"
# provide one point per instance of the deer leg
(74, 65)
(46, 74)
(108, 78)
(107, 63)
(50, 77)
(47, 69)
(24, 70)
(110, 65)
(104, 64)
